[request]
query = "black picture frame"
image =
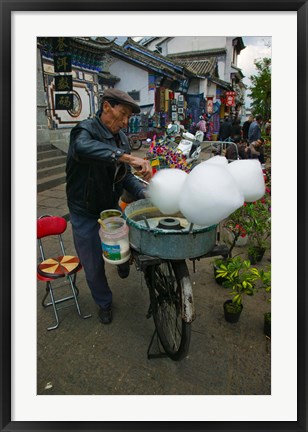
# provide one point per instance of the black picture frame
(7, 7)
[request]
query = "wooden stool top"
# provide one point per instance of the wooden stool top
(59, 267)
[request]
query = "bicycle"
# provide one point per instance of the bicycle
(167, 277)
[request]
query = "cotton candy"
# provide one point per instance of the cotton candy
(209, 195)
(220, 160)
(249, 178)
(165, 189)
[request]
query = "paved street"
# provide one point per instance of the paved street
(89, 358)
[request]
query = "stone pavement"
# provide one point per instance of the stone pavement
(89, 358)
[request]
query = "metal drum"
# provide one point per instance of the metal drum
(167, 237)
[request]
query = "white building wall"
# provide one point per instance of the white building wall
(229, 58)
(132, 78)
(195, 43)
(180, 44)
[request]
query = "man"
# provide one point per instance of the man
(256, 151)
(225, 130)
(246, 126)
(98, 169)
(254, 132)
(236, 150)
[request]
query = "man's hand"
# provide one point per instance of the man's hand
(141, 165)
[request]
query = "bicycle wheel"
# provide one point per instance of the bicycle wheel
(135, 143)
(165, 287)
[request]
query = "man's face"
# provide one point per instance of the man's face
(117, 117)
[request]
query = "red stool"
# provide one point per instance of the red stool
(63, 266)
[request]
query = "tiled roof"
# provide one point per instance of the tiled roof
(108, 76)
(99, 45)
(138, 54)
(200, 67)
(221, 83)
(198, 54)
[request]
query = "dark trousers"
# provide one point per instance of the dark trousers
(89, 250)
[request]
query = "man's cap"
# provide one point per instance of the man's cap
(122, 98)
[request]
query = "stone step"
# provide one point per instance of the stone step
(50, 182)
(50, 170)
(49, 162)
(44, 147)
(49, 154)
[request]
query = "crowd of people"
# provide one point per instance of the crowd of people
(246, 141)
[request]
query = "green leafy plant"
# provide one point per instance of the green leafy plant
(240, 278)
(235, 225)
(258, 222)
(265, 279)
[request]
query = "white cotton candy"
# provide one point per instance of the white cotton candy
(220, 160)
(249, 178)
(209, 195)
(165, 188)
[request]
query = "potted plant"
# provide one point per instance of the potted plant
(234, 226)
(265, 277)
(240, 277)
(258, 226)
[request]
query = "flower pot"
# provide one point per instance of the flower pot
(255, 254)
(231, 316)
(267, 324)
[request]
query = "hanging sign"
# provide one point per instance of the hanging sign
(209, 105)
(230, 98)
(61, 45)
(62, 63)
(63, 83)
(64, 102)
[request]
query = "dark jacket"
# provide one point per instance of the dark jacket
(232, 154)
(225, 130)
(94, 177)
(245, 129)
(236, 131)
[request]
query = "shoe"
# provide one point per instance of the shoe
(123, 270)
(105, 315)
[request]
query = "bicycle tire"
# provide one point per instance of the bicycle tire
(165, 288)
(135, 143)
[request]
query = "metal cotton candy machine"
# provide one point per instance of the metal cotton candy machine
(167, 237)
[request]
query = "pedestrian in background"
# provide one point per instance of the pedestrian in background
(201, 125)
(256, 150)
(236, 150)
(98, 168)
(254, 132)
(246, 126)
(225, 130)
(236, 130)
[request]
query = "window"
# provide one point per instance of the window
(135, 95)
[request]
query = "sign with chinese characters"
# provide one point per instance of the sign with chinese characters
(230, 98)
(62, 63)
(63, 83)
(61, 45)
(64, 101)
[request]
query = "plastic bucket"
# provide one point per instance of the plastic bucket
(115, 241)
